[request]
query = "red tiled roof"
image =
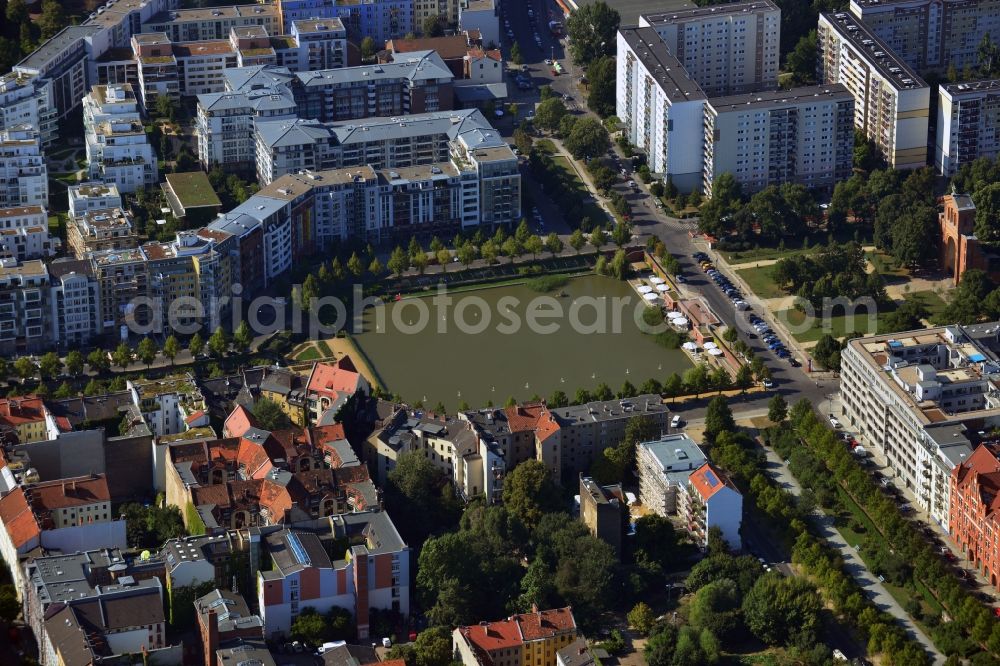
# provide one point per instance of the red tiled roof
(524, 417)
(194, 416)
(332, 379)
(492, 636)
(708, 480)
(18, 518)
(17, 411)
(253, 459)
(544, 624)
(238, 422)
(65, 493)
(448, 48)
(547, 426)
(982, 469)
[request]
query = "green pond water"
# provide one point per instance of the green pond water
(419, 350)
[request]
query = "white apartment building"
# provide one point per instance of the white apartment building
(664, 466)
(24, 306)
(322, 44)
(194, 25)
(932, 34)
(709, 499)
(226, 122)
(118, 150)
(290, 146)
(803, 135)
(24, 233)
(23, 101)
(923, 399)
(968, 124)
(75, 300)
(728, 48)
(661, 107)
(24, 177)
(86, 197)
(891, 103)
(481, 15)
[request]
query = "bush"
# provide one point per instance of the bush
(547, 283)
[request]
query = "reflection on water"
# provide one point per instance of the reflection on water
(501, 359)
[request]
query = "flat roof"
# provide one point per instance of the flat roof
(668, 71)
(875, 51)
(212, 13)
(51, 48)
(777, 98)
(689, 13)
(971, 87)
(630, 10)
(192, 189)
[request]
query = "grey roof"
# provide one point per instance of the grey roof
(481, 92)
(578, 654)
(350, 655)
(244, 652)
(676, 454)
(376, 527)
(38, 59)
(607, 410)
(670, 74)
(688, 13)
(235, 222)
(64, 577)
(876, 52)
(294, 550)
(971, 87)
(413, 66)
(231, 610)
(452, 123)
(297, 132)
(263, 99)
(242, 79)
(782, 98)
(344, 451)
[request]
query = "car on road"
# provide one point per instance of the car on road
(676, 421)
(632, 184)
(680, 278)
(768, 383)
(548, 61)
(834, 422)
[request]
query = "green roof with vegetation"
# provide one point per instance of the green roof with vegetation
(193, 189)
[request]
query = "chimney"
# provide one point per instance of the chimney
(210, 641)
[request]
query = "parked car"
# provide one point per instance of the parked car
(676, 421)
(768, 383)
(834, 422)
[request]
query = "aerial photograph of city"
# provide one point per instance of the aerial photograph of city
(499, 332)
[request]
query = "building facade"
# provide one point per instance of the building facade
(968, 124)
(24, 176)
(118, 150)
(891, 102)
(802, 135)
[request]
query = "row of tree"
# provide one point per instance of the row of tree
(19, 36)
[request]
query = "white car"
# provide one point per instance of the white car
(768, 384)
(676, 421)
(548, 62)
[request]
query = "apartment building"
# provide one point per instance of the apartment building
(121, 277)
(24, 101)
(379, 19)
(802, 135)
(24, 306)
(322, 43)
(100, 229)
(709, 499)
(923, 400)
(157, 68)
(968, 124)
(932, 34)
(212, 23)
(664, 466)
(661, 107)
(482, 16)
(603, 510)
(373, 572)
(527, 638)
(420, 82)
(92, 196)
(226, 124)
(728, 49)
(60, 66)
(201, 65)
(118, 150)
(225, 619)
(24, 176)
(291, 146)
(891, 102)
(24, 233)
(75, 300)
(973, 486)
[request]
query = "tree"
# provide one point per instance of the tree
(218, 343)
(97, 359)
(987, 201)
(801, 62)
(621, 234)
(577, 240)
(354, 265)
(490, 251)
(557, 399)
(515, 54)
(147, 351)
(716, 607)
(399, 261)
(782, 611)
(270, 415)
(375, 267)
(523, 141)
(74, 362)
(196, 345)
(122, 355)
(53, 18)
(433, 26)
(777, 409)
(170, 348)
(310, 627)
(641, 618)
(591, 31)
(242, 337)
(420, 261)
(718, 418)
(587, 138)
(598, 238)
(988, 55)
(466, 254)
(534, 245)
(601, 97)
(367, 48)
(553, 243)
(442, 257)
(50, 365)
(10, 608)
(550, 113)
(166, 109)
(25, 367)
(529, 491)
(17, 12)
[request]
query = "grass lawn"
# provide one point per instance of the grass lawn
(545, 146)
(759, 254)
(68, 178)
(932, 301)
(308, 354)
(837, 326)
(324, 348)
(761, 283)
(886, 265)
(574, 182)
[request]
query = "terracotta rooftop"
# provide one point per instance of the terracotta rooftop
(18, 518)
(66, 493)
(333, 379)
(449, 48)
(544, 624)
(708, 480)
(17, 411)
